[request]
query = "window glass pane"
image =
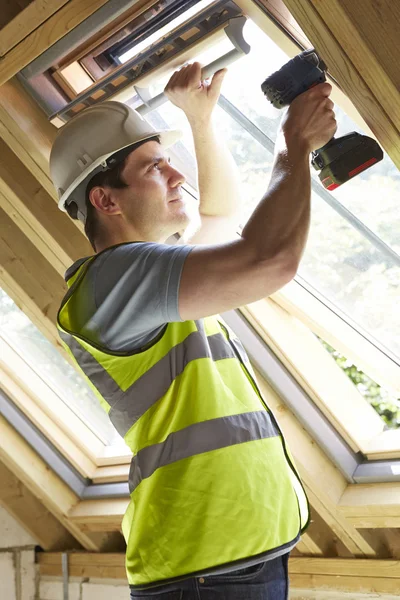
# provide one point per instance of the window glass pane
(373, 196)
(43, 357)
(386, 405)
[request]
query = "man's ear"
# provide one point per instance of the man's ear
(103, 201)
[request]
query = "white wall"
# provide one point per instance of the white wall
(51, 588)
(18, 575)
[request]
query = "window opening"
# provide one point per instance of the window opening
(386, 404)
(69, 385)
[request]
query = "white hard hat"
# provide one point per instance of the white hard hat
(84, 144)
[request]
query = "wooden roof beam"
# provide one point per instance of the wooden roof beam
(27, 21)
(51, 491)
(29, 279)
(36, 214)
(21, 459)
(349, 40)
(368, 34)
(372, 505)
(26, 130)
(44, 36)
(19, 501)
(356, 576)
(348, 575)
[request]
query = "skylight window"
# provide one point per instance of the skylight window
(386, 405)
(56, 372)
(137, 48)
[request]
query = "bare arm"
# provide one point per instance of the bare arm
(219, 278)
(218, 177)
(219, 184)
(267, 256)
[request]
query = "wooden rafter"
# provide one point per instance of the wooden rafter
(26, 130)
(320, 540)
(99, 515)
(51, 491)
(33, 515)
(27, 21)
(343, 59)
(21, 459)
(44, 36)
(371, 505)
(347, 575)
(368, 34)
(29, 279)
(37, 215)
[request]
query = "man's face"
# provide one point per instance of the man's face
(152, 203)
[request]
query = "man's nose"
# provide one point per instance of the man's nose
(176, 178)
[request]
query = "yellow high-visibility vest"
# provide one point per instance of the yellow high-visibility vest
(211, 481)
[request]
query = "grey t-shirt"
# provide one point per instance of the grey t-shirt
(129, 293)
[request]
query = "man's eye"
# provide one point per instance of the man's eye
(156, 165)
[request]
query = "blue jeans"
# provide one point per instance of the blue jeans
(265, 581)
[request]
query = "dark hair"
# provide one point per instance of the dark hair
(111, 178)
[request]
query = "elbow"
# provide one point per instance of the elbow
(288, 270)
(291, 272)
(278, 271)
(292, 265)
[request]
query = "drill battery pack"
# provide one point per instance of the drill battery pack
(343, 158)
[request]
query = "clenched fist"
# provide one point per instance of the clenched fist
(310, 121)
(196, 97)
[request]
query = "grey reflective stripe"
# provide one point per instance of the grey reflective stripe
(127, 407)
(93, 370)
(199, 438)
(153, 384)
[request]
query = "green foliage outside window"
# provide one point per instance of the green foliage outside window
(386, 405)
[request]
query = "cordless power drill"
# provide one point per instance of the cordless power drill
(341, 158)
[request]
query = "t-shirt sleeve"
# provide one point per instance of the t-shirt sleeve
(135, 291)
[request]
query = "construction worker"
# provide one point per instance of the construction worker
(216, 504)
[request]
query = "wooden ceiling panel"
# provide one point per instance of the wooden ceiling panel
(10, 9)
(44, 36)
(24, 22)
(26, 130)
